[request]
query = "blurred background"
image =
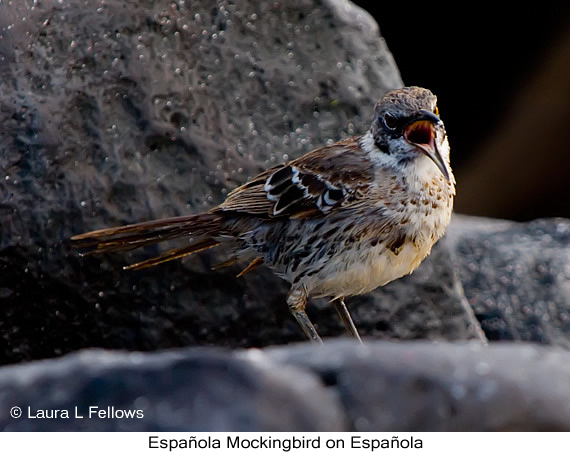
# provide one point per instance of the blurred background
(502, 76)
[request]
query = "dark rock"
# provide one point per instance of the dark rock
(442, 387)
(378, 386)
(187, 390)
(516, 276)
(121, 112)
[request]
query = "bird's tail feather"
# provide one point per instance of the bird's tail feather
(175, 253)
(202, 228)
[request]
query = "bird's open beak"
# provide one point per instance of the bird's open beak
(421, 133)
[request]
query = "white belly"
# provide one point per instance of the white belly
(362, 271)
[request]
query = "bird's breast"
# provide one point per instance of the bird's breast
(386, 252)
(363, 269)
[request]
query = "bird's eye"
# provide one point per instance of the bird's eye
(436, 110)
(390, 121)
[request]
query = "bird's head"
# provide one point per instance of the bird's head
(407, 127)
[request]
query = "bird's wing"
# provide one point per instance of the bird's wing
(308, 187)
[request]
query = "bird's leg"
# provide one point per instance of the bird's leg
(297, 300)
(344, 315)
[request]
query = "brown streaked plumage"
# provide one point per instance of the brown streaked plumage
(338, 221)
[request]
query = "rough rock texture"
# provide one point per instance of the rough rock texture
(380, 386)
(119, 112)
(516, 276)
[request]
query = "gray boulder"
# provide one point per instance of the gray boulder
(187, 390)
(443, 387)
(341, 386)
(516, 276)
(115, 113)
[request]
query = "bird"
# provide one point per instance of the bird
(339, 221)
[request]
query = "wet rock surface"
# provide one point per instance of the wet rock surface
(128, 111)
